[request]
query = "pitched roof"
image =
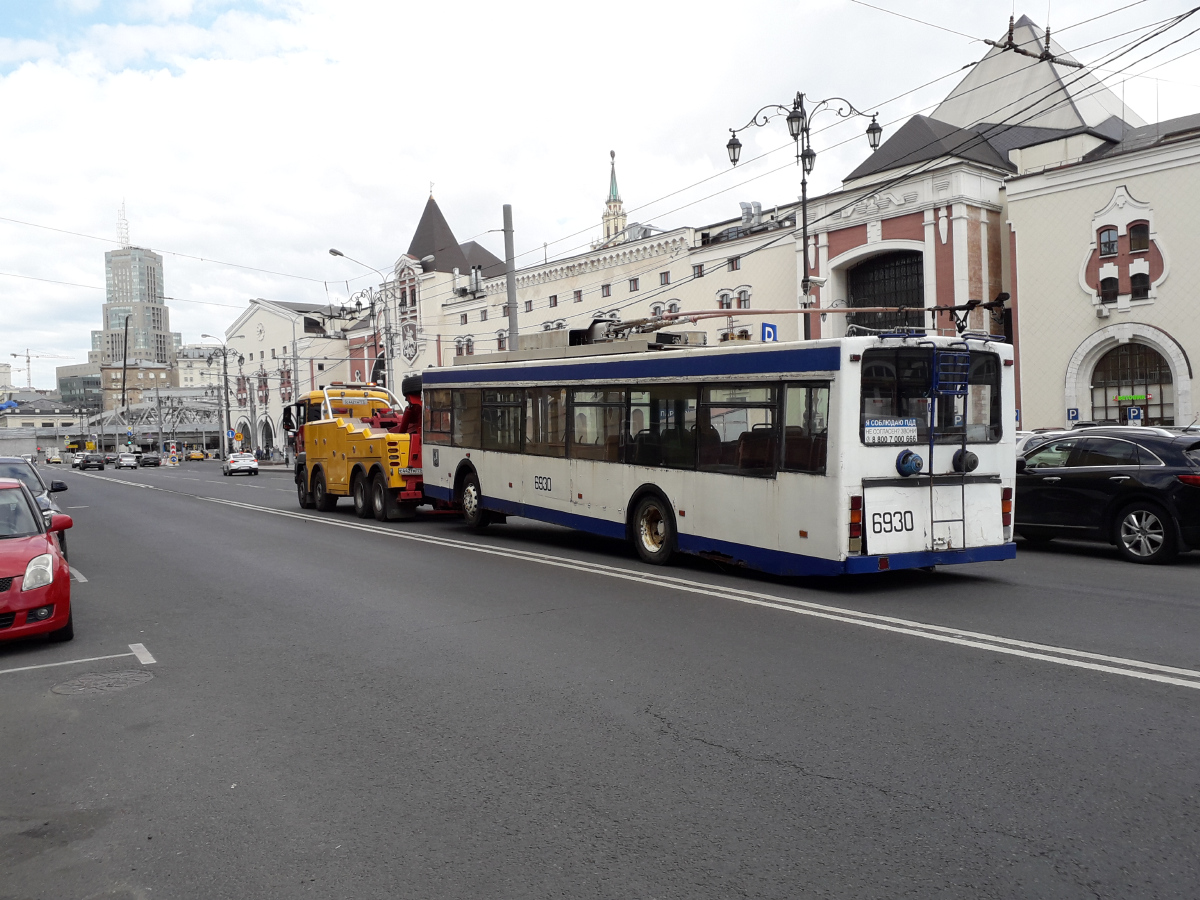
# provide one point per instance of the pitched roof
(921, 139)
(434, 237)
(1008, 87)
(478, 255)
(1167, 132)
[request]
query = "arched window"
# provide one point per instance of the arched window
(1108, 290)
(725, 301)
(725, 335)
(501, 341)
(890, 279)
(458, 347)
(672, 307)
(656, 309)
(470, 346)
(1139, 237)
(743, 335)
(1139, 284)
(1108, 242)
(1133, 375)
(743, 299)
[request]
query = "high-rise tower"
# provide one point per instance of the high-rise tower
(133, 278)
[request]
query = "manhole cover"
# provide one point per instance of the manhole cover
(102, 682)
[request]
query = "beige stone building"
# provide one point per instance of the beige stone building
(1106, 280)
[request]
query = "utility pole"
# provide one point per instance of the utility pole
(510, 277)
(158, 409)
(124, 358)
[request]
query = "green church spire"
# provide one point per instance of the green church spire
(613, 194)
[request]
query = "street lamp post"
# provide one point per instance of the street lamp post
(799, 121)
(224, 354)
(372, 298)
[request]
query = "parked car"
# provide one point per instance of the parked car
(240, 462)
(36, 597)
(1137, 488)
(150, 459)
(91, 461)
(126, 461)
(26, 472)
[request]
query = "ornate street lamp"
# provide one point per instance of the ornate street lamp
(799, 122)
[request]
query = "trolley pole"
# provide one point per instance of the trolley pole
(510, 277)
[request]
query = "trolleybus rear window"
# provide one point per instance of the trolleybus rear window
(896, 384)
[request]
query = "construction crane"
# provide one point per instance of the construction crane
(29, 366)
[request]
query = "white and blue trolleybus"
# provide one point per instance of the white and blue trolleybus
(823, 457)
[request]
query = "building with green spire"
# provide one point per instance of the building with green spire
(614, 210)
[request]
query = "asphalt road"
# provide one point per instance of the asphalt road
(343, 709)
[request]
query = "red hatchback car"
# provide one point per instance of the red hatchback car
(35, 581)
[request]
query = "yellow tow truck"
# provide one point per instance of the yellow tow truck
(354, 440)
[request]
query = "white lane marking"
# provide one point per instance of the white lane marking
(77, 575)
(77, 507)
(142, 654)
(1064, 656)
(69, 662)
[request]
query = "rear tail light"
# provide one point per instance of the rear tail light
(856, 514)
(1193, 480)
(1006, 503)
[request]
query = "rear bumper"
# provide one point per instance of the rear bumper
(856, 565)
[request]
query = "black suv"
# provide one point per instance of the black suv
(1137, 488)
(92, 461)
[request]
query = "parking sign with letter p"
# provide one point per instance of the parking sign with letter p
(769, 332)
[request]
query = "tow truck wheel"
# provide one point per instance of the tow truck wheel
(362, 498)
(379, 499)
(472, 503)
(321, 496)
(302, 492)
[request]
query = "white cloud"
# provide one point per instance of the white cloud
(265, 136)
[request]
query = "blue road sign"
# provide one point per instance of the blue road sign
(770, 332)
(1073, 414)
(229, 434)
(1134, 414)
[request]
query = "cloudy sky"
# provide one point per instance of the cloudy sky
(248, 136)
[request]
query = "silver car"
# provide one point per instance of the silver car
(127, 461)
(240, 462)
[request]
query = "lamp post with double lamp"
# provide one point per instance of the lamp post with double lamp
(372, 299)
(224, 354)
(799, 121)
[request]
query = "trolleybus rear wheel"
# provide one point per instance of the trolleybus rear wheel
(472, 503)
(324, 501)
(654, 530)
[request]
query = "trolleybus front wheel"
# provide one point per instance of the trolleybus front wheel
(472, 503)
(654, 530)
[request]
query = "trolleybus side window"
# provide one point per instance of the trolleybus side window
(437, 417)
(596, 424)
(501, 420)
(466, 432)
(806, 427)
(662, 423)
(546, 421)
(984, 417)
(736, 430)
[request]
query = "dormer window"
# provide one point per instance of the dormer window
(1108, 242)
(1139, 238)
